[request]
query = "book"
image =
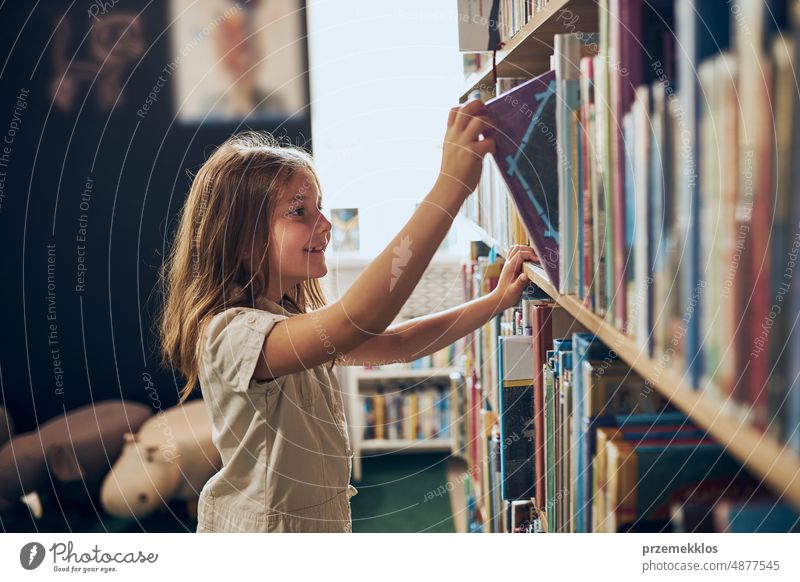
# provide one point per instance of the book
(517, 460)
(640, 314)
(792, 404)
(700, 34)
(585, 347)
(567, 54)
(755, 517)
(611, 392)
(693, 510)
(549, 320)
(642, 477)
(562, 357)
(478, 25)
(662, 215)
(526, 153)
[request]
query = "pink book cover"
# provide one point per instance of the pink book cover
(760, 304)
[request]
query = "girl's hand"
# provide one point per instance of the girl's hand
(462, 155)
(513, 280)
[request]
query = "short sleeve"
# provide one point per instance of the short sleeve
(234, 341)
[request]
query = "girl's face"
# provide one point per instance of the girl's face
(300, 235)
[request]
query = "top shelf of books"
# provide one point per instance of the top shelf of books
(527, 52)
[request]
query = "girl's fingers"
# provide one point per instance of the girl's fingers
(451, 116)
(483, 147)
(467, 112)
(477, 125)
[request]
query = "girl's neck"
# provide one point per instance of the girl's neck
(276, 293)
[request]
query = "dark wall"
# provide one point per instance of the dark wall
(88, 192)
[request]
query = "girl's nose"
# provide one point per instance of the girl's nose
(324, 226)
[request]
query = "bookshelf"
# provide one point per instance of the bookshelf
(768, 459)
(729, 423)
(527, 53)
(365, 382)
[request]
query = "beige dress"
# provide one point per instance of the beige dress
(284, 444)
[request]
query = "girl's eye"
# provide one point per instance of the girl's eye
(300, 211)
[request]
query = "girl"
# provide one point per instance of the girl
(245, 315)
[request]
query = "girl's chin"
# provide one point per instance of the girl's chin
(317, 268)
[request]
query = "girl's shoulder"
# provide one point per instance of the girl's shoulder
(231, 341)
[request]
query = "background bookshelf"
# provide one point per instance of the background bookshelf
(740, 425)
(422, 403)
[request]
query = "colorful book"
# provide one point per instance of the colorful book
(641, 478)
(585, 347)
(526, 153)
(517, 460)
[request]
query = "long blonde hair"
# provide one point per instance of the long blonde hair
(218, 258)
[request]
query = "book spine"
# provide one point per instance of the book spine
(567, 57)
(641, 313)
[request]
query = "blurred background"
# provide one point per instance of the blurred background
(107, 110)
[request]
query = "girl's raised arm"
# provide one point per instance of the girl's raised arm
(378, 294)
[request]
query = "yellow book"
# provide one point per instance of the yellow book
(599, 475)
(621, 484)
(380, 416)
(414, 415)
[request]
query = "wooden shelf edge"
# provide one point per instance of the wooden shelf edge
(401, 373)
(405, 444)
(514, 47)
(770, 460)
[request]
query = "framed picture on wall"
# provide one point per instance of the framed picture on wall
(344, 229)
(237, 59)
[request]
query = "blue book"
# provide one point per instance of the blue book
(585, 346)
(701, 33)
(660, 212)
(756, 517)
(617, 411)
(630, 225)
(657, 472)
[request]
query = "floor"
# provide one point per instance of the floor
(399, 493)
(421, 492)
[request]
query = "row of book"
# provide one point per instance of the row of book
(683, 223)
(478, 398)
(485, 25)
(413, 413)
(653, 170)
(594, 448)
(611, 454)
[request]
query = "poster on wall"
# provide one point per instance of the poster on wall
(344, 229)
(237, 59)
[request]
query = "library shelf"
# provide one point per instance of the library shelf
(360, 381)
(768, 459)
(407, 445)
(522, 55)
(389, 372)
